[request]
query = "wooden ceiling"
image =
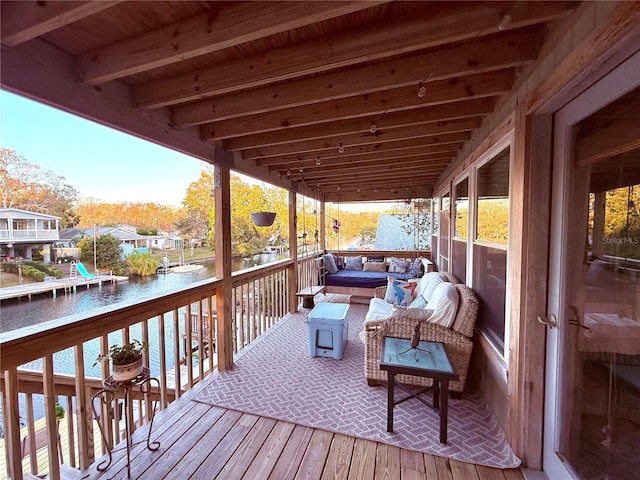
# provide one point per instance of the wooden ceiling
(349, 100)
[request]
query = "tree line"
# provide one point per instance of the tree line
(27, 186)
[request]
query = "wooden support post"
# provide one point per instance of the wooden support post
(222, 207)
(530, 192)
(293, 249)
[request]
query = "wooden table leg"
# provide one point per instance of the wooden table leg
(444, 410)
(390, 400)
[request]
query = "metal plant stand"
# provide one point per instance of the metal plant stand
(108, 394)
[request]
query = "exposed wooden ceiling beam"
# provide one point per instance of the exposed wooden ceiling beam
(23, 21)
(380, 182)
(452, 111)
(513, 50)
(434, 154)
(450, 141)
(379, 136)
(406, 98)
(423, 164)
(238, 23)
(428, 27)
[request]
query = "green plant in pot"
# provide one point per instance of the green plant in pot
(126, 360)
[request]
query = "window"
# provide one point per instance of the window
(445, 225)
(490, 247)
(493, 199)
(435, 232)
(460, 230)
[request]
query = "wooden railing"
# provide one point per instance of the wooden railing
(180, 327)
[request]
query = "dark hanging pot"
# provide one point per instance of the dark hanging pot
(263, 219)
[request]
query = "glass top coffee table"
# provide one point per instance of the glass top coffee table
(429, 359)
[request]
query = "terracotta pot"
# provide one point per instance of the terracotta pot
(263, 219)
(128, 371)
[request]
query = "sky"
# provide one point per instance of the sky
(99, 162)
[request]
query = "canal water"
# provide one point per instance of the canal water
(19, 313)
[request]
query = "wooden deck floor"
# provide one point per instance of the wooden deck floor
(200, 441)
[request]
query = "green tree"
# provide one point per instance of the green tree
(197, 219)
(26, 186)
(108, 251)
(142, 263)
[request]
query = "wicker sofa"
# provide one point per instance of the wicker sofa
(457, 338)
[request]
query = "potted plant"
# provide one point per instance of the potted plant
(126, 360)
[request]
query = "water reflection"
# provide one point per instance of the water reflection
(23, 312)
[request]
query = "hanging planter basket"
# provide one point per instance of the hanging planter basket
(263, 219)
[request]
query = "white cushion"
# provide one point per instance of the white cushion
(354, 263)
(428, 283)
(418, 302)
(444, 303)
(378, 310)
(329, 263)
(413, 313)
(397, 265)
(399, 292)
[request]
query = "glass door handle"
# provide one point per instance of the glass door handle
(551, 321)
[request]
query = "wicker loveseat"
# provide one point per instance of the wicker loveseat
(457, 338)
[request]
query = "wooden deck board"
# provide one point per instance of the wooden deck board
(208, 442)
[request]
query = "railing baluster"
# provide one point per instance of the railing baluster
(50, 401)
(162, 358)
(11, 411)
(176, 353)
(145, 338)
(188, 360)
(33, 458)
(71, 432)
(83, 412)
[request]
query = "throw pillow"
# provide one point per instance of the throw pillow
(354, 263)
(418, 302)
(375, 267)
(397, 265)
(339, 262)
(330, 264)
(376, 258)
(409, 312)
(444, 303)
(399, 292)
(414, 270)
(428, 283)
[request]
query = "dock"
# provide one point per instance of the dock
(58, 285)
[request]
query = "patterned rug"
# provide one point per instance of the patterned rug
(275, 377)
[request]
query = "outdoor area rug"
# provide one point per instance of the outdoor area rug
(275, 377)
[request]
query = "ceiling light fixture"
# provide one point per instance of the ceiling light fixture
(288, 173)
(318, 162)
(422, 90)
(338, 188)
(373, 128)
(340, 148)
(300, 168)
(505, 22)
